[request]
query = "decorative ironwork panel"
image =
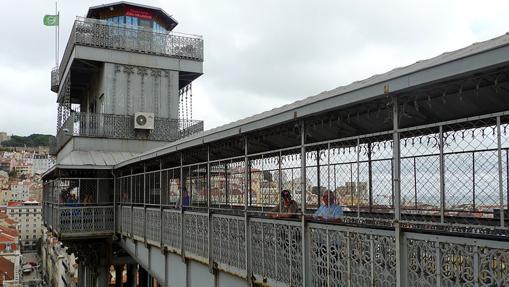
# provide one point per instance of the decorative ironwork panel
(126, 220)
(171, 228)
(338, 257)
(383, 257)
(64, 221)
(422, 263)
(138, 221)
(360, 259)
(88, 218)
(493, 267)
(118, 218)
(85, 219)
(54, 79)
(451, 262)
(276, 251)
(351, 258)
(228, 241)
(196, 231)
(456, 264)
(153, 222)
(76, 222)
(108, 220)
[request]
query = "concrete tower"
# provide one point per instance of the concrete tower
(124, 82)
(124, 87)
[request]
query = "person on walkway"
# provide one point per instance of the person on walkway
(329, 210)
(287, 207)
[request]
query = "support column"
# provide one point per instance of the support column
(81, 275)
(306, 278)
(119, 269)
(396, 184)
(143, 277)
(500, 171)
(102, 276)
(131, 275)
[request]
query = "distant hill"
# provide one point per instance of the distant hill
(33, 140)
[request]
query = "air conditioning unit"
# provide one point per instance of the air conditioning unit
(144, 121)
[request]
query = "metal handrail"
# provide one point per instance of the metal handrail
(122, 127)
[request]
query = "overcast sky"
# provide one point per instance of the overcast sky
(258, 54)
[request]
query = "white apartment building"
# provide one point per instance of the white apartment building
(20, 192)
(29, 217)
(41, 163)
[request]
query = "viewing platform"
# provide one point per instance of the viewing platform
(122, 127)
(103, 34)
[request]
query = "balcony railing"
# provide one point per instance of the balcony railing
(99, 33)
(122, 127)
(55, 80)
(279, 253)
(74, 220)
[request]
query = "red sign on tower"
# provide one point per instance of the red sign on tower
(143, 14)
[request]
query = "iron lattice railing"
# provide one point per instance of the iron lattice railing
(67, 220)
(55, 79)
(122, 127)
(272, 251)
(453, 176)
(99, 33)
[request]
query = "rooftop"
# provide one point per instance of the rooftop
(93, 11)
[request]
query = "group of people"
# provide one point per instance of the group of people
(70, 199)
(328, 211)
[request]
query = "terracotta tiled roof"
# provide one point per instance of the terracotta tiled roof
(14, 203)
(6, 238)
(9, 231)
(9, 221)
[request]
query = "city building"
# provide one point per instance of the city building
(4, 137)
(20, 191)
(41, 163)
(9, 250)
(7, 164)
(29, 218)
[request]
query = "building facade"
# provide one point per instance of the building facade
(59, 267)
(28, 216)
(41, 163)
(4, 137)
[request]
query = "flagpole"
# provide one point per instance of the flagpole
(56, 37)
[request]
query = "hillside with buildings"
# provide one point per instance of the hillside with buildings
(33, 140)
(21, 228)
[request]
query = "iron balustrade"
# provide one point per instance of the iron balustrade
(122, 127)
(100, 33)
(335, 255)
(79, 220)
(55, 79)
(452, 175)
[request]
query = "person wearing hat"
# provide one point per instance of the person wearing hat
(329, 210)
(287, 207)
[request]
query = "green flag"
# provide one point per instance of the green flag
(50, 20)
